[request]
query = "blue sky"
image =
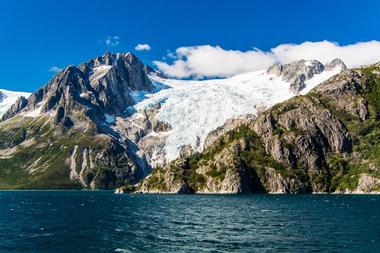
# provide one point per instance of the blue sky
(38, 35)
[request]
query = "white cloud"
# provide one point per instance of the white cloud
(112, 41)
(214, 61)
(209, 61)
(142, 47)
(55, 69)
(353, 55)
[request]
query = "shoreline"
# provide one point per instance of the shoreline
(197, 193)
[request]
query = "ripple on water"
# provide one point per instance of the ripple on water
(104, 222)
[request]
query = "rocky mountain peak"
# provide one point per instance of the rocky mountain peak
(20, 103)
(298, 72)
(336, 63)
(102, 85)
(291, 71)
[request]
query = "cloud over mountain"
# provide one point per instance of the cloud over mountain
(215, 61)
(55, 69)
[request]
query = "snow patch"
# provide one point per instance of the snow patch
(33, 114)
(8, 98)
(109, 118)
(99, 71)
(319, 78)
(73, 164)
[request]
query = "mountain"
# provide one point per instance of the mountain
(327, 140)
(187, 111)
(59, 137)
(108, 121)
(8, 98)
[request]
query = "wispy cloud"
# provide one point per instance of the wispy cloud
(214, 61)
(142, 47)
(55, 69)
(112, 41)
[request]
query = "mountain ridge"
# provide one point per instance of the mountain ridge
(108, 121)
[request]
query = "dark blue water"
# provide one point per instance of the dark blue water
(65, 221)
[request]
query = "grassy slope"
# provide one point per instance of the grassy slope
(47, 154)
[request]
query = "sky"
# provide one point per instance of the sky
(184, 39)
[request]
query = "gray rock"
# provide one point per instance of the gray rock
(20, 103)
(186, 151)
(336, 63)
(297, 72)
(102, 85)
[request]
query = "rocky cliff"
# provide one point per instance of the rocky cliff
(325, 141)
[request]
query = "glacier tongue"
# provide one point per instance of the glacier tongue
(195, 108)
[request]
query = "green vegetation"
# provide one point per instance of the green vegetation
(42, 161)
(371, 83)
(365, 135)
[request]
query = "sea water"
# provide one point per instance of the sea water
(100, 221)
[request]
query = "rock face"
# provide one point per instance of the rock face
(367, 184)
(299, 71)
(62, 136)
(9, 98)
(228, 126)
(325, 141)
(148, 133)
(336, 63)
(20, 104)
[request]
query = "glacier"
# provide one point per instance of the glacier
(195, 108)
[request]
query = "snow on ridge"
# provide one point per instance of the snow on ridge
(99, 71)
(8, 98)
(33, 114)
(319, 78)
(195, 108)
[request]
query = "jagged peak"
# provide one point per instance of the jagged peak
(108, 78)
(291, 71)
(297, 72)
(335, 63)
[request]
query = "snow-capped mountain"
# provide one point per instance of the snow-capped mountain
(192, 109)
(8, 98)
(112, 118)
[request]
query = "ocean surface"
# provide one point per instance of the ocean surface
(100, 221)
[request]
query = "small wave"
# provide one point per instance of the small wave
(40, 235)
(122, 250)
